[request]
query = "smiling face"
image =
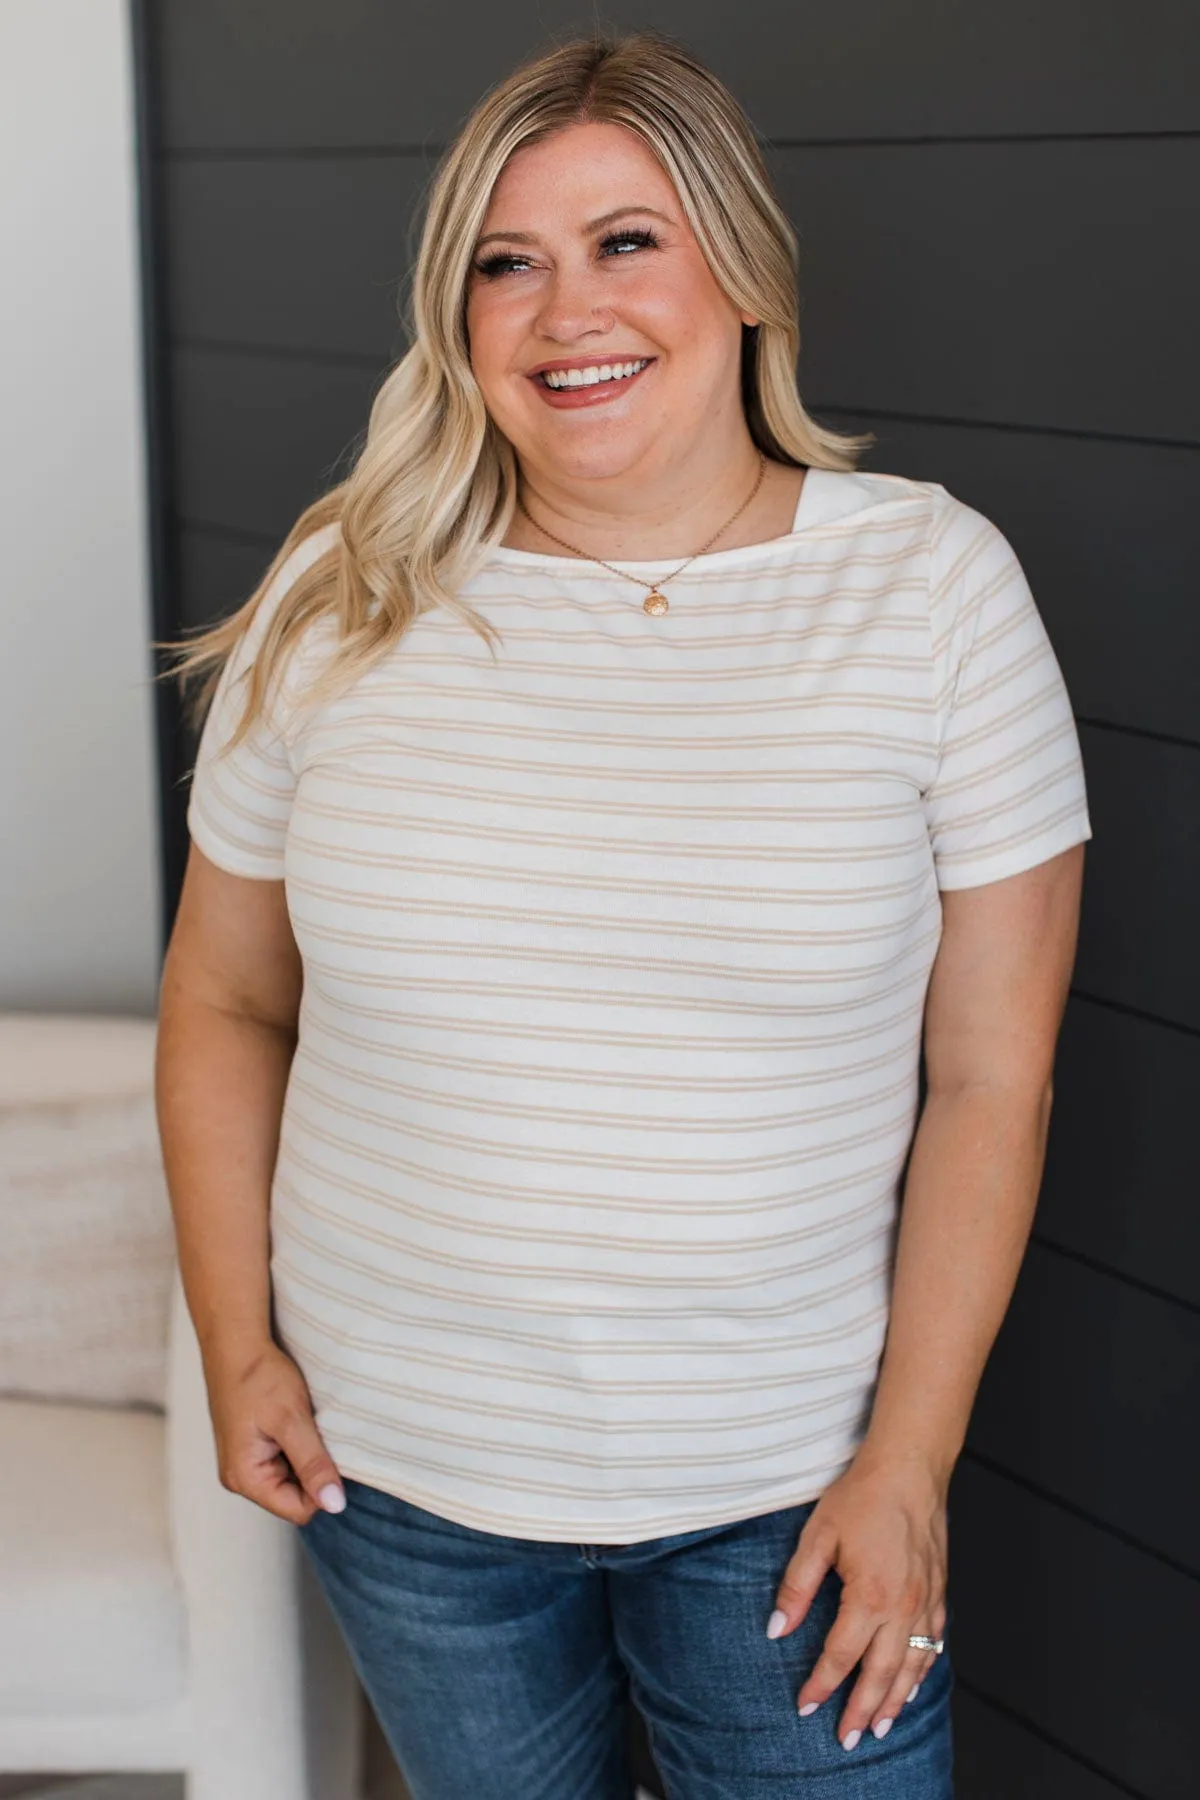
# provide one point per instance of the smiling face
(600, 340)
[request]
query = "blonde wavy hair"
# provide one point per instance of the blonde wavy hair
(434, 488)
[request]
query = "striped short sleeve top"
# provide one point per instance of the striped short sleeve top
(615, 951)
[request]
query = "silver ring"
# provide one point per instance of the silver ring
(937, 1645)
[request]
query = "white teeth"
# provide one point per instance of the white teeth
(589, 377)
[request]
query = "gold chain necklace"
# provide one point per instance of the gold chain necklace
(655, 601)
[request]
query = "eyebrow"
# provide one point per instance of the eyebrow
(529, 237)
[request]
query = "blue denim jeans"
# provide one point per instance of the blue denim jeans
(498, 1667)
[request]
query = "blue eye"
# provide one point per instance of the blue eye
(641, 238)
(503, 262)
(499, 264)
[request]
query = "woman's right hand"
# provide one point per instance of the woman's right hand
(268, 1447)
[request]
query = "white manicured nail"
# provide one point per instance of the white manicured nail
(332, 1498)
(776, 1623)
(913, 1691)
(851, 1738)
(883, 1727)
(805, 1711)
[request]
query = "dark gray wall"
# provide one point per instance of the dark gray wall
(997, 208)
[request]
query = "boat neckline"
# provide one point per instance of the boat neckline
(809, 512)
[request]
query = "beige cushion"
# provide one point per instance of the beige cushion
(93, 1615)
(85, 1224)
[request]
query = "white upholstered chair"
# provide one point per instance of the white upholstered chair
(150, 1619)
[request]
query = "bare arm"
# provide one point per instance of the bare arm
(995, 1004)
(229, 1003)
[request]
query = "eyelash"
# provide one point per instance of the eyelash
(503, 261)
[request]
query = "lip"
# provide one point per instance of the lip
(601, 393)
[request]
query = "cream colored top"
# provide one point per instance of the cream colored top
(615, 953)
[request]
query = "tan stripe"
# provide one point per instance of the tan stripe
(579, 840)
(352, 778)
(786, 1307)
(878, 1211)
(873, 1178)
(543, 632)
(967, 615)
(512, 1107)
(1018, 803)
(639, 805)
(528, 954)
(964, 561)
(607, 706)
(1031, 834)
(745, 742)
(527, 915)
(560, 1157)
(700, 676)
(669, 1424)
(1033, 750)
(754, 1381)
(590, 1456)
(220, 828)
(595, 883)
(582, 1034)
(669, 1082)
(999, 724)
(548, 1486)
(678, 1003)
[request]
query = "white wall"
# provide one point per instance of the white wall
(79, 927)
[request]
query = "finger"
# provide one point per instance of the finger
(811, 1561)
(846, 1641)
(884, 1657)
(276, 1488)
(937, 1630)
(297, 1436)
(267, 1480)
(905, 1687)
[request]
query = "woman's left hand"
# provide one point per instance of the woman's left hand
(882, 1527)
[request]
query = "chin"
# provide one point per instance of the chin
(578, 460)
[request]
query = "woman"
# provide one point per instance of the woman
(619, 784)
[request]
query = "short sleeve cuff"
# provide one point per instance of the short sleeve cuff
(234, 858)
(976, 869)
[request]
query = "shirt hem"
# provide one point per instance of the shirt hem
(592, 1528)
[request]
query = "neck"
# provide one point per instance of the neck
(642, 514)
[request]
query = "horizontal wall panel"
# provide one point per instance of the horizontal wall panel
(995, 1758)
(1109, 537)
(211, 578)
(1073, 1332)
(1123, 1163)
(305, 253)
(1092, 1641)
(215, 575)
(1079, 513)
(372, 72)
(959, 307)
(1139, 945)
(1015, 283)
(257, 438)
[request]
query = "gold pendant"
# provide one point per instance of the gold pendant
(655, 603)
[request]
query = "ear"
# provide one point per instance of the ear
(749, 319)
